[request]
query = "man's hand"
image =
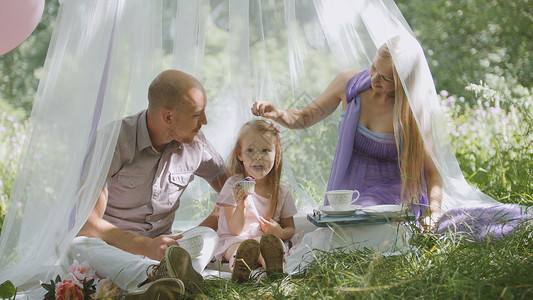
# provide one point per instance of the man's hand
(158, 246)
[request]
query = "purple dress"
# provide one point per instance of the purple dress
(364, 160)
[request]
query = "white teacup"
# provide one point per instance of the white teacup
(341, 199)
(193, 244)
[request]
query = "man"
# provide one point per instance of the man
(158, 153)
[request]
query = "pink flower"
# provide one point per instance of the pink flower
(68, 290)
(81, 271)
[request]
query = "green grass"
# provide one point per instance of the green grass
(438, 267)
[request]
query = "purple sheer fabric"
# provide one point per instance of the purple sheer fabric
(364, 160)
(484, 222)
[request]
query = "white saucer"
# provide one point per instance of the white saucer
(384, 210)
(339, 213)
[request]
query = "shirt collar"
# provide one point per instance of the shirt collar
(143, 136)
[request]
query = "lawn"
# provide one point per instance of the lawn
(437, 267)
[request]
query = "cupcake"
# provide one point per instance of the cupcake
(247, 184)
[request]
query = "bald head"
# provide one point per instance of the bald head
(169, 90)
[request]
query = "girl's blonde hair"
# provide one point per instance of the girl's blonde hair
(235, 165)
(409, 143)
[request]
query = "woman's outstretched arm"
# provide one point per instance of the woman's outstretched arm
(316, 111)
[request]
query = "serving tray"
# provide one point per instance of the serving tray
(358, 218)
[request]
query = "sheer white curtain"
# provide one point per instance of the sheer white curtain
(103, 55)
(100, 57)
(415, 75)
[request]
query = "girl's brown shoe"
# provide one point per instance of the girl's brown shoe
(245, 260)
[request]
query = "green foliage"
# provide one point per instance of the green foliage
(7, 290)
(311, 167)
(20, 68)
(12, 135)
(51, 288)
(200, 207)
(465, 40)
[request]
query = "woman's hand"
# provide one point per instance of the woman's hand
(265, 109)
(316, 111)
(429, 223)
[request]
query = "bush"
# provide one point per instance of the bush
(492, 137)
(12, 134)
(465, 40)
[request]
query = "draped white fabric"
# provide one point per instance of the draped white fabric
(103, 55)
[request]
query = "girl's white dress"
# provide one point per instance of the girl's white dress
(255, 206)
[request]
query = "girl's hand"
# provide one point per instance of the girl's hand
(270, 226)
(265, 109)
(240, 196)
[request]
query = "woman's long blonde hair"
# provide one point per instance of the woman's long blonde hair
(409, 143)
(235, 165)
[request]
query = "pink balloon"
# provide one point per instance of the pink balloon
(18, 19)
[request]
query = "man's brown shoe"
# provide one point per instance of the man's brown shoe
(177, 263)
(163, 289)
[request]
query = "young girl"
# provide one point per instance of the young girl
(265, 214)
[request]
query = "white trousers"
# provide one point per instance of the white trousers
(128, 270)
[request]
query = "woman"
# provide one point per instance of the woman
(380, 151)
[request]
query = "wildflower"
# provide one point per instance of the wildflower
(495, 110)
(81, 271)
(444, 93)
(449, 100)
